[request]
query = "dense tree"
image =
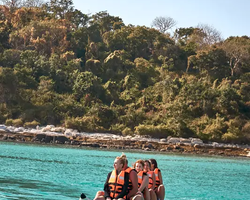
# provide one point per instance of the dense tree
(8, 86)
(116, 65)
(212, 62)
(5, 30)
(93, 73)
(86, 83)
(238, 52)
(59, 8)
(46, 37)
(106, 22)
(77, 18)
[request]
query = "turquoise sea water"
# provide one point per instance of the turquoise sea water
(58, 173)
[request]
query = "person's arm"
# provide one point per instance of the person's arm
(153, 178)
(145, 180)
(125, 188)
(160, 177)
(134, 179)
(106, 187)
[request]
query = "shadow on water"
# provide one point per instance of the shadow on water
(12, 188)
(35, 159)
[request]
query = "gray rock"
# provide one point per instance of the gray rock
(163, 140)
(58, 129)
(196, 141)
(19, 129)
(147, 149)
(185, 141)
(3, 128)
(198, 145)
(173, 140)
(48, 128)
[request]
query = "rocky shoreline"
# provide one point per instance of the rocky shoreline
(60, 135)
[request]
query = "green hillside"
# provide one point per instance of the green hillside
(94, 73)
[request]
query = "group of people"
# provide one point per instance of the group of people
(143, 181)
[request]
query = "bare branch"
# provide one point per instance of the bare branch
(211, 35)
(33, 3)
(12, 4)
(163, 23)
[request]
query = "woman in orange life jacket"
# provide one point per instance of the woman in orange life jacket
(143, 179)
(133, 183)
(159, 187)
(116, 185)
(151, 175)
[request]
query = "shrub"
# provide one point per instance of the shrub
(215, 131)
(32, 124)
(9, 122)
(229, 137)
(117, 128)
(132, 118)
(211, 129)
(86, 123)
(179, 128)
(4, 112)
(14, 122)
(159, 131)
(246, 128)
(246, 132)
(127, 131)
(17, 122)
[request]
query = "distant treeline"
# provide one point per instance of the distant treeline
(94, 73)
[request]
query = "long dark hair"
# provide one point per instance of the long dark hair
(153, 161)
(149, 163)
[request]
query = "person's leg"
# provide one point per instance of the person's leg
(99, 196)
(152, 194)
(137, 197)
(146, 194)
(160, 192)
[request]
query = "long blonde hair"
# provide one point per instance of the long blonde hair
(122, 159)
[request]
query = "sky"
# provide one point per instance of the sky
(229, 17)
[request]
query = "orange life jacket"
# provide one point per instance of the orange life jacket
(128, 170)
(157, 180)
(151, 182)
(116, 183)
(130, 186)
(140, 176)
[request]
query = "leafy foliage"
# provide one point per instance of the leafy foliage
(94, 73)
